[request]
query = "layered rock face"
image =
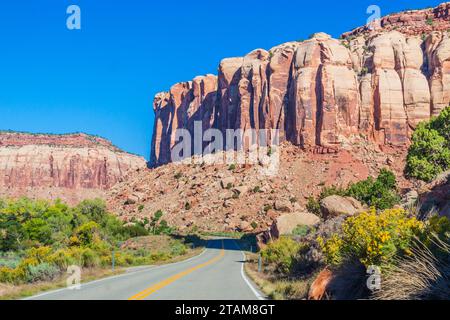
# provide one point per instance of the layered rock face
(73, 162)
(320, 92)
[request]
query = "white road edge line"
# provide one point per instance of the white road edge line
(247, 281)
(83, 285)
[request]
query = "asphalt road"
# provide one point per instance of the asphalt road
(216, 274)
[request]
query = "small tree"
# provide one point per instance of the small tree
(429, 154)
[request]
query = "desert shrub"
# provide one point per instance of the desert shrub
(38, 229)
(136, 230)
(178, 249)
(374, 239)
(164, 228)
(332, 191)
(90, 258)
(313, 206)
(282, 254)
(301, 230)
(429, 153)
(41, 254)
(41, 272)
(95, 210)
(9, 259)
(379, 193)
(87, 232)
(9, 275)
(437, 226)
(423, 275)
(62, 258)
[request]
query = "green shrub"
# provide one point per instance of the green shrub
(89, 258)
(313, 206)
(429, 153)
(42, 272)
(301, 230)
(178, 249)
(379, 193)
(282, 254)
(136, 230)
(9, 259)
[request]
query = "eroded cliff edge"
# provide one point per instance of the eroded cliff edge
(320, 92)
(72, 167)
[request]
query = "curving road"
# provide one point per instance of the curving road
(216, 274)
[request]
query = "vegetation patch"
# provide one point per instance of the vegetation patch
(429, 153)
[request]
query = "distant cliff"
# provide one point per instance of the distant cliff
(379, 83)
(75, 162)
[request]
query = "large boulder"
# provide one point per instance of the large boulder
(334, 206)
(283, 205)
(318, 288)
(285, 224)
(435, 197)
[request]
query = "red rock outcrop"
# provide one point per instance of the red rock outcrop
(320, 92)
(75, 162)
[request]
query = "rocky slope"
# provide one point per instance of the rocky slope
(320, 92)
(68, 166)
(220, 198)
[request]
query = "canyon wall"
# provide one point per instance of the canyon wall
(74, 162)
(378, 83)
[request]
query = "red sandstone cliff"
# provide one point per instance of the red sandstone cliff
(379, 83)
(31, 164)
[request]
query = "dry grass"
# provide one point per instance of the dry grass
(11, 292)
(273, 288)
(422, 276)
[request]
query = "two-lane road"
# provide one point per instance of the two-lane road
(216, 274)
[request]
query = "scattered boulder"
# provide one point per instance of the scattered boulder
(241, 190)
(285, 224)
(334, 206)
(435, 197)
(283, 206)
(132, 199)
(227, 182)
(245, 226)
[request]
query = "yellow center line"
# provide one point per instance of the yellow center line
(147, 292)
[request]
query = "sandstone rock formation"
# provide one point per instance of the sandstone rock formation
(320, 92)
(73, 162)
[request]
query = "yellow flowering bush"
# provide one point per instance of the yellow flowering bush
(372, 238)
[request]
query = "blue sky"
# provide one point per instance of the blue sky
(101, 79)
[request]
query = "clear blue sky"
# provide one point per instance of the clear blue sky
(102, 79)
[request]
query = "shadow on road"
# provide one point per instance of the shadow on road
(246, 243)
